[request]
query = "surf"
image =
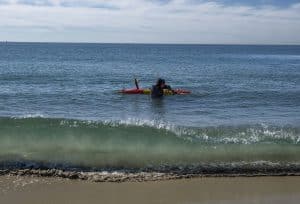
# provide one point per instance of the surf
(141, 144)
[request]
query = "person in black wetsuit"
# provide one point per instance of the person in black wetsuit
(157, 89)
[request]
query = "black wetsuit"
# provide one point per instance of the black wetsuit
(157, 92)
(167, 87)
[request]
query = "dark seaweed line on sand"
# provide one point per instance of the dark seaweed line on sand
(140, 176)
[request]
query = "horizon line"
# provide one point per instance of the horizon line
(147, 43)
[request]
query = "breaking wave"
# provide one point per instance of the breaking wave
(140, 144)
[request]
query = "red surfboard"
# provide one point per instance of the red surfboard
(148, 91)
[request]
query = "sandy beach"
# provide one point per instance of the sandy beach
(26, 189)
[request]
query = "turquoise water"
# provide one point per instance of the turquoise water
(59, 105)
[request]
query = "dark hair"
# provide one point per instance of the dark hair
(160, 82)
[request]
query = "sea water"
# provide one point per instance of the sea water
(60, 106)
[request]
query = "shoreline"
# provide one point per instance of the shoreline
(28, 189)
(121, 176)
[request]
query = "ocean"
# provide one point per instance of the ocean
(60, 108)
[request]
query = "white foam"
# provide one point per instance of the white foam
(33, 115)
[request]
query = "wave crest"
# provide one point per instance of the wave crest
(138, 143)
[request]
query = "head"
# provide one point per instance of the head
(160, 82)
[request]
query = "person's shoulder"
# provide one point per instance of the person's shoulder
(168, 87)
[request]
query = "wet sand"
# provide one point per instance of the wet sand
(27, 189)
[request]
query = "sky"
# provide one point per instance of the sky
(151, 21)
